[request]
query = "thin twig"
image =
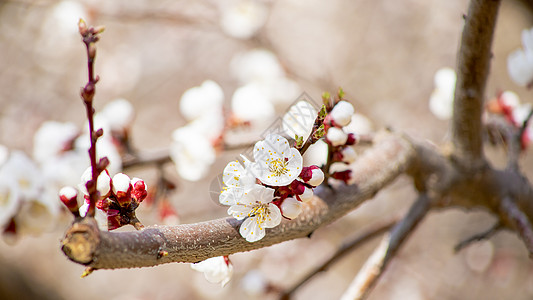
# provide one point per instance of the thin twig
(473, 64)
(376, 264)
(345, 248)
(485, 235)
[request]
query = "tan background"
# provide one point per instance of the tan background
(384, 54)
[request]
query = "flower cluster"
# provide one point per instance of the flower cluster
(507, 104)
(119, 197)
(263, 191)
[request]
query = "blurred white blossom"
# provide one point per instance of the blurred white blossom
(520, 61)
(249, 103)
(52, 139)
(192, 153)
(119, 114)
(441, 100)
(199, 100)
(243, 18)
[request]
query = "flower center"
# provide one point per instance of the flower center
(260, 211)
(278, 167)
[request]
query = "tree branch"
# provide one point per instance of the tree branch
(346, 248)
(473, 64)
(376, 264)
(376, 168)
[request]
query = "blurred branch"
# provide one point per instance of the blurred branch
(345, 248)
(518, 221)
(376, 264)
(376, 168)
(473, 64)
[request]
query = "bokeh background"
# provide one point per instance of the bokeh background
(383, 53)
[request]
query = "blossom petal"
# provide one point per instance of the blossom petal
(252, 230)
(274, 216)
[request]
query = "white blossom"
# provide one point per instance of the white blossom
(256, 65)
(216, 269)
(441, 99)
(250, 103)
(243, 18)
(291, 208)
(260, 213)
(299, 119)
(192, 153)
(342, 113)
(51, 139)
(237, 180)
(276, 163)
(520, 61)
(198, 100)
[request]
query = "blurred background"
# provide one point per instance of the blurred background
(383, 53)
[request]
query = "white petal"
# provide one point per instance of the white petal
(274, 216)
(251, 230)
(240, 211)
(231, 196)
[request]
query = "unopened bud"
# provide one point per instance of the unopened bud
(307, 195)
(319, 133)
(122, 189)
(342, 113)
(82, 27)
(336, 137)
(140, 189)
(317, 177)
(69, 195)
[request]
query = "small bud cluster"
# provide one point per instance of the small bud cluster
(119, 197)
(337, 135)
(507, 105)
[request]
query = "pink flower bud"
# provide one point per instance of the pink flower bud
(343, 175)
(342, 113)
(348, 154)
(140, 190)
(122, 189)
(336, 136)
(352, 139)
(68, 196)
(291, 208)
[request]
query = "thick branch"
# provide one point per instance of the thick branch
(473, 64)
(367, 278)
(195, 242)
